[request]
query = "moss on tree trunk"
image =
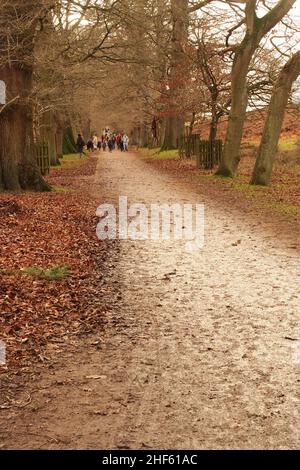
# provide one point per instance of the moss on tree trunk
(69, 145)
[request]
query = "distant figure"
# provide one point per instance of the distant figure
(99, 145)
(125, 142)
(80, 145)
(90, 145)
(95, 142)
(118, 141)
(110, 144)
(122, 143)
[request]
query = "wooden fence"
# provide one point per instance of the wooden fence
(208, 154)
(188, 146)
(42, 157)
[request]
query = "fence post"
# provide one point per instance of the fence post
(209, 153)
(41, 151)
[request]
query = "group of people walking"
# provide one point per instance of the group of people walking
(108, 141)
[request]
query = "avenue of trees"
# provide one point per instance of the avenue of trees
(152, 67)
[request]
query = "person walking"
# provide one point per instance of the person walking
(90, 145)
(125, 142)
(118, 141)
(95, 142)
(122, 143)
(80, 145)
(110, 144)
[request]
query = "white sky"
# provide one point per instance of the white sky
(296, 10)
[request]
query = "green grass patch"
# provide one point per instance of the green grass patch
(70, 161)
(248, 187)
(156, 153)
(284, 208)
(288, 144)
(53, 273)
(214, 176)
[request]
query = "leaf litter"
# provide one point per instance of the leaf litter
(49, 233)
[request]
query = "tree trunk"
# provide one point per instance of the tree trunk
(87, 131)
(18, 167)
(173, 130)
(59, 137)
(69, 145)
(269, 143)
(143, 136)
(48, 134)
(174, 121)
(52, 140)
(214, 124)
(239, 101)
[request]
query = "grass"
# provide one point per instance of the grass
(248, 187)
(53, 273)
(284, 208)
(288, 144)
(70, 161)
(156, 153)
(61, 189)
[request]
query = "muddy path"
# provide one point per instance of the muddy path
(200, 351)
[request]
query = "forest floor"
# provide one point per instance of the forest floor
(140, 344)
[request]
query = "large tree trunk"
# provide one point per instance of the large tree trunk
(173, 130)
(54, 160)
(86, 133)
(174, 120)
(48, 135)
(239, 101)
(269, 143)
(69, 144)
(143, 136)
(18, 167)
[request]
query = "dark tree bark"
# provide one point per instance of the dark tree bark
(18, 167)
(69, 144)
(59, 137)
(174, 121)
(48, 135)
(87, 130)
(269, 143)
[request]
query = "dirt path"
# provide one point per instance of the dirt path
(199, 358)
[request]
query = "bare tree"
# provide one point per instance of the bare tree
(256, 29)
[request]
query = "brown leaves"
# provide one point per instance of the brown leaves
(45, 230)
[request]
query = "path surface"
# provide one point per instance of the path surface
(197, 354)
